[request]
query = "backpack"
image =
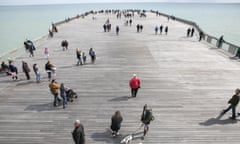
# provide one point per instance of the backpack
(148, 117)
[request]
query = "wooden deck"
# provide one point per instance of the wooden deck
(187, 83)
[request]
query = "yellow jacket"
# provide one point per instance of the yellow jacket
(54, 88)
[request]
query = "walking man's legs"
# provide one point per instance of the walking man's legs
(233, 112)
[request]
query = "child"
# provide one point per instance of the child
(46, 52)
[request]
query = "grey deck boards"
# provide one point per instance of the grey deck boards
(187, 83)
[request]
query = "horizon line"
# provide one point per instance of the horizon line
(118, 2)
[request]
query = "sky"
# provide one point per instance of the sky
(36, 2)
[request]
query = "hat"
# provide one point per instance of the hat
(134, 75)
(77, 121)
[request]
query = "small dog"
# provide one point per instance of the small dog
(127, 140)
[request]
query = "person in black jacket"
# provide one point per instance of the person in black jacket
(116, 123)
(26, 69)
(233, 104)
(78, 133)
(48, 68)
(146, 118)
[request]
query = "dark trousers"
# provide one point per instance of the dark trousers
(49, 75)
(27, 75)
(134, 92)
(233, 111)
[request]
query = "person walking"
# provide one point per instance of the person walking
(78, 134)
(166, 30)
(161, 29)
(146, 118)
(63, 94)
(13, 70)
(84, 58)
(48, 68)
(54, 87)
(220, 41)
(46, 52)
(117, 30)
(134, 84)
(116, 123)
(192, 32)
(79, 56)
(188, 32)
(37, 72)
(92, 55)
(26, 69)
(233, 104)
(156, 30)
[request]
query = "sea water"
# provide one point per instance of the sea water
(30, 22)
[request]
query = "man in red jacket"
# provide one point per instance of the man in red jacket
(134, 84)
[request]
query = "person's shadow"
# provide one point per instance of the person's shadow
(42, 107)
(106, 137)
(217, 120)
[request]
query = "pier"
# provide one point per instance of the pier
(185, 82)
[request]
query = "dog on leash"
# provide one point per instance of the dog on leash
(127, 140)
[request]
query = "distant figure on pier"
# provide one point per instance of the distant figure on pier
(161, 29)
(192, 32)
(130, 22)
(4, 67)
(109, 27)
(138, 27)
(84, 57)
(146, 118)
(37, 72)
(117, 30)
(166, 30)
(63, 94)
(116, 123)
(105, 28)
(220, 42)
(92, 55)
(50, 32)
(233, 104)
(29, 46)
(141, 28)
(54, 28)
(188, 32)
(134, 84)
(46, 52)
(79, 56)
(13, 70)
(26, 69)
(201, 35)
(54, 87)
(238, 53)
(156, 30)
(64, 45)
(78, 134)
(49, 69)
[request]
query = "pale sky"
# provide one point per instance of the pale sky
(35, 2)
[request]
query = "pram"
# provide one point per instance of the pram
(71, 95)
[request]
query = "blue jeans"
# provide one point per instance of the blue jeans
(233, 111)
(38, 76)
(64, 97)
(56, 99)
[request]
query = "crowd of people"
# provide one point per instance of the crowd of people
(78, 133)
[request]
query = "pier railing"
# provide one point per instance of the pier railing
(213, 41)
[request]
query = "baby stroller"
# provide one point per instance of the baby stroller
(71, 95)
